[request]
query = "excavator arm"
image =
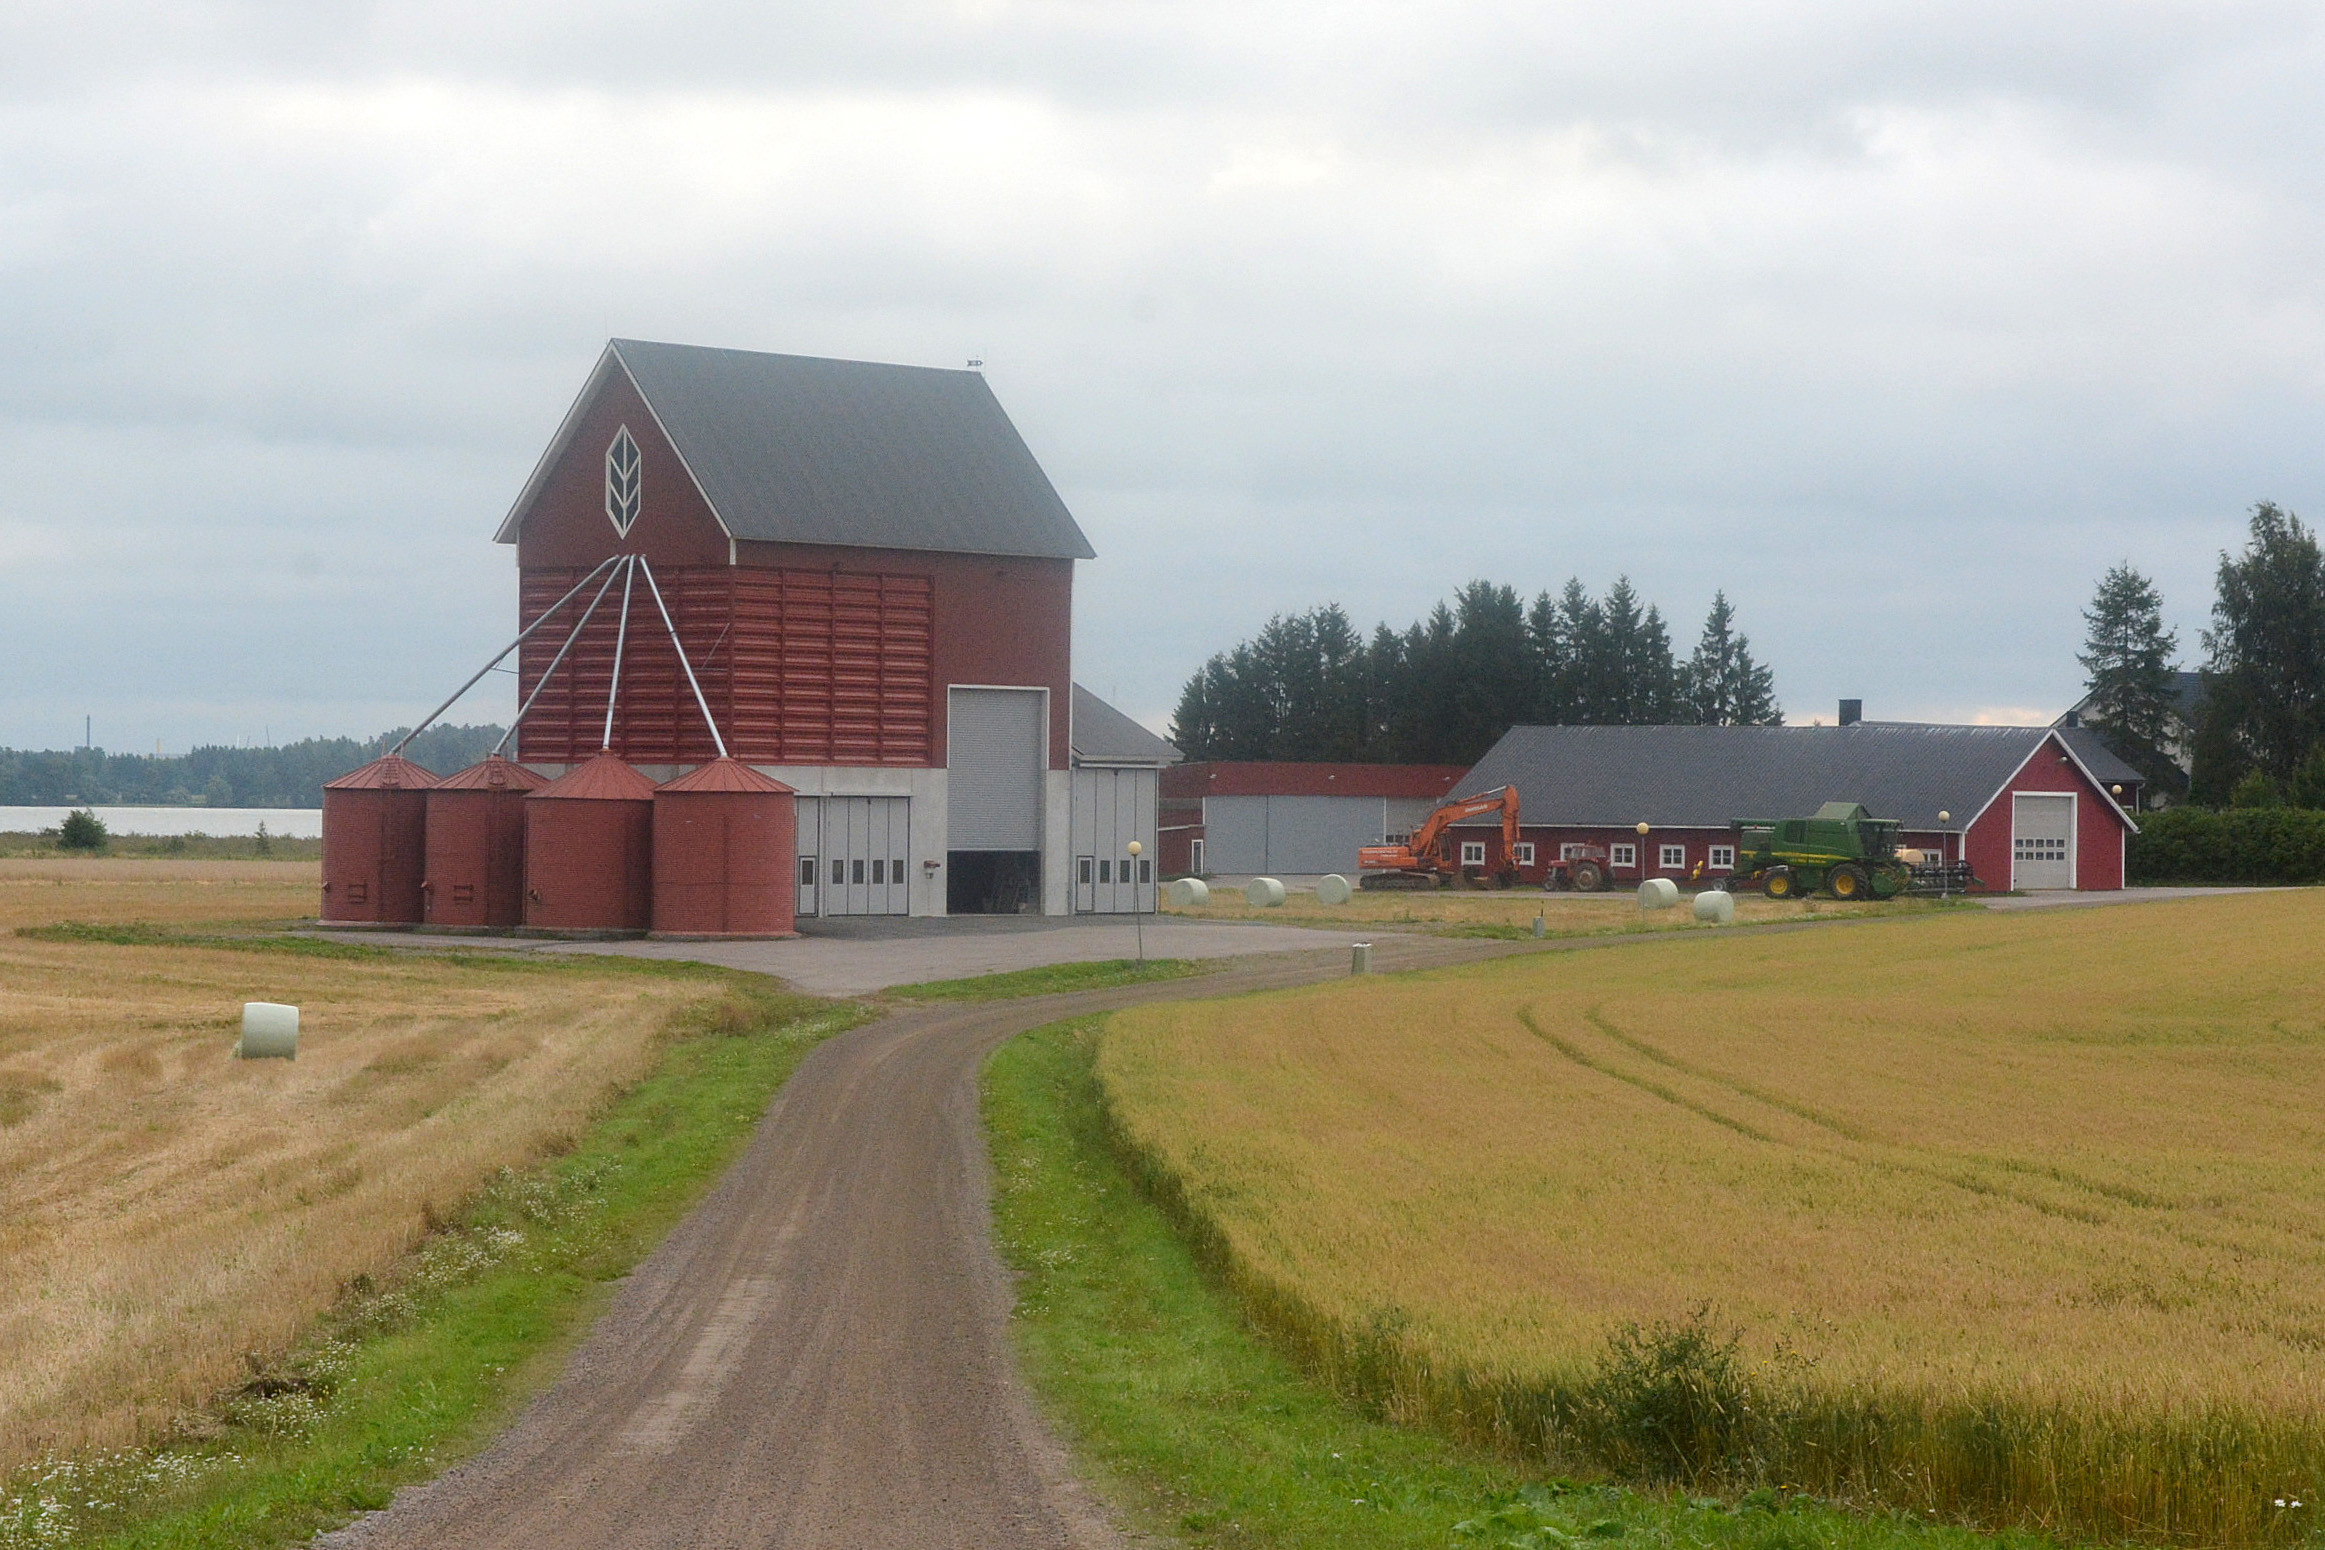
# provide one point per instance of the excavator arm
(1420, 862)
(1502, 799)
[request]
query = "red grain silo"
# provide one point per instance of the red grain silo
(589, 842)
(375, 822)
(476, 845)
(724, 839)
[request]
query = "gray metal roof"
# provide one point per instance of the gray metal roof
(1707, 777)
(1103, 735)
(799, 449)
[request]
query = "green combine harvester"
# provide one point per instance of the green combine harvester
(1844, 851)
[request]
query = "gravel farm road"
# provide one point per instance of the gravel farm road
(819, 1355)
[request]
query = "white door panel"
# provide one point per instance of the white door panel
(2042, 840)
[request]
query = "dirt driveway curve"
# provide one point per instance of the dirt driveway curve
(819, 1355)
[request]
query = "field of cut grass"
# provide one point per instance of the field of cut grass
(2020, 1219)
(1459, 912)
(111, 890)
(165, 1208)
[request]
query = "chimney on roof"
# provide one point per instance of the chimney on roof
(1852, 712)
(2073, 718)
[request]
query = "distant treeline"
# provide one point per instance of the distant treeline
(290, 775)
(1442, 691)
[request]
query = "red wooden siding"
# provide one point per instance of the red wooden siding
(799, 666)
(2099, 833)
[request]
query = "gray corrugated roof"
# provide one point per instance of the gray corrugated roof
(799, 449)
(1707, 777)
(2105, 765)
(1103, 735)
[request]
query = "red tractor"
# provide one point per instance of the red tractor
(1585, 871)
(1432, 857)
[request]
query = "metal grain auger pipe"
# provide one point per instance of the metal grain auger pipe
(700, 703)
(502, 656)
(613, 688)
(558, 660)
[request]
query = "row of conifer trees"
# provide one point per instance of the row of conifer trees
(1442, 690)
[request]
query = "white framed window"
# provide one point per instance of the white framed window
(1195, 857)
(1723, 858)
(625, 488)
(1623, 855)
(1673, 858)
(1523, 853)
(2025, 848)
(1473, 853)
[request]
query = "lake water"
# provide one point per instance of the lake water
(298, 823)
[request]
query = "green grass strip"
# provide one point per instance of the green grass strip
(1198, 1432)
(1049, 980)
(408, 1377)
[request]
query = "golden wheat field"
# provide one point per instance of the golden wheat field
(2022, 1217)
(1564, 914)
(165, 1207)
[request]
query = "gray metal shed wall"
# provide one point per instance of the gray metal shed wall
(1235, 834)
(1296, 835)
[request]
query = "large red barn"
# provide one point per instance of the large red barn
(873, 580)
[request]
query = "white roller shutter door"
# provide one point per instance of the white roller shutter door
(995, 753)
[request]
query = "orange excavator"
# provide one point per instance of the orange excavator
(1432, 857)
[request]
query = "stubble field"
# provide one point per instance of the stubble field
(165, 1208)
(2021, 1219)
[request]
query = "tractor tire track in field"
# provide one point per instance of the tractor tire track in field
(1799, 1126)
(819, 1354)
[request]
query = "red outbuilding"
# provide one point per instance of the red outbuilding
(2029, 807)
(374, 843)
(476, 845)
(723, 853)
(589, 848)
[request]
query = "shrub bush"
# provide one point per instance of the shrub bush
(82, 830)
(2228, 845)
(1674, 1401)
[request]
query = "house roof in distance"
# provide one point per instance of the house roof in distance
(2186, 694)
(800, 449)
(1708, 777)
(1294, 778)
(1103, 735)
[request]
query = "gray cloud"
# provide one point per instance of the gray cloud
(1899, 323)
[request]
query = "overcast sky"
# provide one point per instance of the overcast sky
(1900, 323)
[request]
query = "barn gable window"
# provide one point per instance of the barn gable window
(624, 481)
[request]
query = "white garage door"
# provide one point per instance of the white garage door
(854, 856)
(2042, 841)
(1112, 808)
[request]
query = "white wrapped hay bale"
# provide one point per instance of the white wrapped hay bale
(1716, 907)
(1263, 893)
(1189, 893)
(270, 1031)
(1332, 888)
(1658, 893)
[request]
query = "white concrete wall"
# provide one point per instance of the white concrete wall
(926, 788)
(1057, 842)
